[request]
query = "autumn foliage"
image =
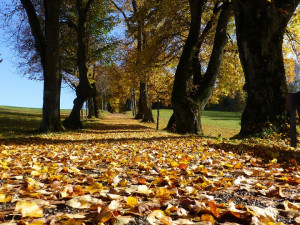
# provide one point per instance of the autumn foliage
(121, 172)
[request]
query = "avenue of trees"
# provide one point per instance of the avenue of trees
(183, 53)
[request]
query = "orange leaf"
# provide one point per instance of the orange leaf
(183, 166)
(142, 181)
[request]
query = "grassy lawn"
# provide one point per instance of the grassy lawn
(215, 123)
(15, 120)
(19, 121)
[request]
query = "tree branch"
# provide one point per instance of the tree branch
(122, 12)
(36, 29)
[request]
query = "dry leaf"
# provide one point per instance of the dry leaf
(29, 209)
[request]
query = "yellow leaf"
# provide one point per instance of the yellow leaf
(5, 198)
(35, 173)
(123, 183)
(72, 222)
(163, 193)
(37, 222)
(208, 217)
(132, 201)
(174, 164)
(238, 166)
(164, 172)
(29, 209)
(94, 188)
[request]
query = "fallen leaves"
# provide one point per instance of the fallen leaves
(29, 209)
(120, 175)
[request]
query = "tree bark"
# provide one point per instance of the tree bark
(205, 89)
(96, 105)
(83, 90)
(143, 108)
(260, 26)
(184, 112)
(188, 109)
(91, 108)
(47, 45)
(92, 103)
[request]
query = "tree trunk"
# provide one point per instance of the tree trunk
(92, 103)
(47, 45)
(83, 90)
(96, 105)
(52, 76)
(205, 89)
(133, 102)
(91, 108)
(260, 26)
(144, 110)
(188, 109)
(184, 109)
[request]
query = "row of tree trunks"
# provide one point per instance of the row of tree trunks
(260, 26)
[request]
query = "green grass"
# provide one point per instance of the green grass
(214, 123)
(16, 121)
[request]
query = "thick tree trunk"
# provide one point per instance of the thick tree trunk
(185, 112)
(83, 90)
(188, 109)
(205, 89)
(47, 45)
(143, 108)
(52, 76)
(260, 27)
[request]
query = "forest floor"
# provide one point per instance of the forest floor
(119, 171)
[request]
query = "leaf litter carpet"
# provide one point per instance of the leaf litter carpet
(120, 171)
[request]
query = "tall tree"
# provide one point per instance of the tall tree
(47, 46)
(84, 89)
(260, 27)
(136, 24)
(188, 106)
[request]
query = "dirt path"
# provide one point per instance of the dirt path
(120, 126)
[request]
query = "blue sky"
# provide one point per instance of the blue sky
(16, 90)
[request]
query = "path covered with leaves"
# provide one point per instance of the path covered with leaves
(122, 172)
